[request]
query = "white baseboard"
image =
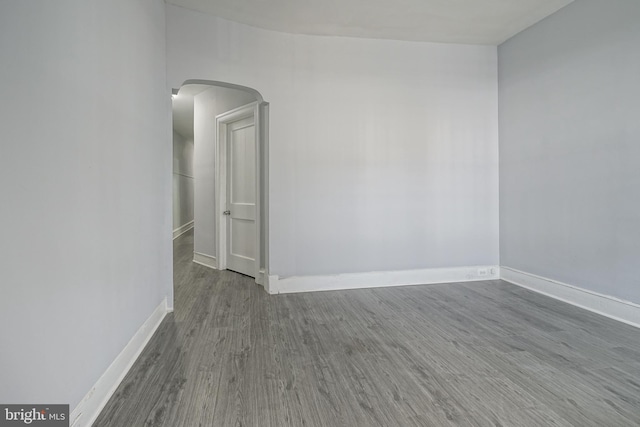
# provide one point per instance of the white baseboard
(268, 283)
(261, 277)
(378, 279)
(605, 305)
(182, 229)
(206, 260)
(92, 404)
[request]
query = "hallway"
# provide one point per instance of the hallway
(474, 354)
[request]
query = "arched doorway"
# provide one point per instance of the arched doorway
(209, 108)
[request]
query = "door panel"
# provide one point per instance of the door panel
(243, 172)
(242, 234)
(241, 197)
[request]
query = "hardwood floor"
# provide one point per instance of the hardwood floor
(472, 354)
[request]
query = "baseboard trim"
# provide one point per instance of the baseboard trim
(206, 260)
(94, 401)
(378, 279)
(261, 278)
(605, 305)
(182, 229)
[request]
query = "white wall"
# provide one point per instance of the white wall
(206, 106)
(570, 148)
(182, 180)
(85, 252)
(383, 154)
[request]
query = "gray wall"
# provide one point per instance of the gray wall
(570, 148)
(206, 106)
(85, 166)
(182, 180)
(383, 155)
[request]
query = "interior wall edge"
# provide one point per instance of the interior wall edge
(605, 305)
(205, 260)
(86, 412)
(380, 279)
(182, 229)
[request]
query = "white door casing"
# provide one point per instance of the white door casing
(238, 190)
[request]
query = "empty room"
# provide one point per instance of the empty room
(353, 213)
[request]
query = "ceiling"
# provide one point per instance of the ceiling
(183, 109)
(448, 21)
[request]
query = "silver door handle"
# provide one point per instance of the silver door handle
(226, 213)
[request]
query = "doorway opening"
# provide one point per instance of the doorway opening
(228, 127)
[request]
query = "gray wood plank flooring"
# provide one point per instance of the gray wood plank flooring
(467, 354)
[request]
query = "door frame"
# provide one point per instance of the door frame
(222, 221)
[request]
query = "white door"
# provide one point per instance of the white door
(241, 197)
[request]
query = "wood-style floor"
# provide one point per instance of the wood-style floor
(472, 354)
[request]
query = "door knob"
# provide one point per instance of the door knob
(226, 213)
